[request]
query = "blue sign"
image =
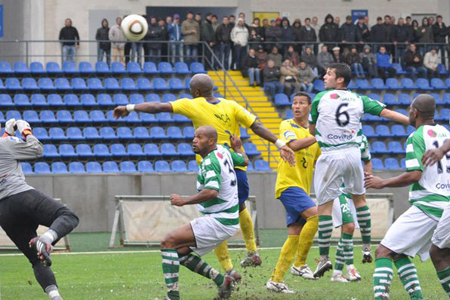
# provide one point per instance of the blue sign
(1, 20)
(357, 13)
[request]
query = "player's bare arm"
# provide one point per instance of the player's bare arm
(302, 143)
(394, 116)
(236, 145)
(368, 167)
(286, 153)
(148, 107)
(405, 179)
(430, 157)
(203, 196)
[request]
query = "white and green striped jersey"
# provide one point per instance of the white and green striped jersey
(337, 115)
(432, 192)
(216, 172)
(365, 151)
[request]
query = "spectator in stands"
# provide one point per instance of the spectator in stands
(70, 41)
(297, 31)
(348, 34)
(265, 25)
(424, 35)
(431, 20)
(292, 55)
(190, 30)
(155, 33)
(378, 34)
(362, 32)
(254, 39)
(257, 26)
(250, 69)
(214, 22)
(310, 59)
(239, 36)
(384, 65)
(329, 32)
(242, 16)
(354, 61)
(272, 75)
(414, 62)
(223, 39)
(289, 78)
(207, 35)
(415, 29)
(324, 59)
(305, 77)
(338, 57)
(337, 21)
(175, 39)
(369, 62)
(232, 20)
(118, 41)
(273, 35)
(104, 46)
(430, 62)
(389, 32)
(440, 31)
(401, 38)
(315, 25)
(308, 34)
(276, 57)
(278, 21)
(231, 24)
(287, 34)
(262, 56)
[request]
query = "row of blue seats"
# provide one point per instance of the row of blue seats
(125, 167)
(395, 131)
(93, 84)
(85, 68)
(392, 84)
(117, 149)
(393, 147)
(388, 164)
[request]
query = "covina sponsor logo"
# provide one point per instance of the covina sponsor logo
(343, 137)
(443, 186)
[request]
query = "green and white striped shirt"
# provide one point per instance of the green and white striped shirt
(432, 192)
(216, 172)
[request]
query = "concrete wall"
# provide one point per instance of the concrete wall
(92, 196)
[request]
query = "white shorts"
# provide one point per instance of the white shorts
(341, 208)
(210, 233)
(411, 234)
(441, 236)
(335, 168)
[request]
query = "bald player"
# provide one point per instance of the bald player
(225, 116)
(217, 200)
(429, 195)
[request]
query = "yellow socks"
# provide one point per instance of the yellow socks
(246, 223)
(286, 256)
(306, 240)
(224, 256)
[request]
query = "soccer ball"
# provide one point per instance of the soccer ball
(134, 27)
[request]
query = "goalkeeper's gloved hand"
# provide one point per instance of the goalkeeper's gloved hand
(24, 128)
(10, 127)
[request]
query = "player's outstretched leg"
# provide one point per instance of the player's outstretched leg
(441, 261)
(223, 255)
(365, 224)
(382, 278)
(306, 239)
(253, 259)
(171, 270)
(325, 231)
(408, 274)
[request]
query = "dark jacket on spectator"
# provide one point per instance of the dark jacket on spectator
(259, 30)
(277, 58)
(378, 34)
(352, 58)
(411, 33)
(401, 34)
(308, 34)
(254, 40)
(389, 31)
(207, 31)
(263, 57)
(102, 35)
(362, 33)
(247, 63)
(310, 60)
(339, 59)
(439, 33)
(297, 30)
(287, 34)
(329, 32)
(273, 34)
(348, 32)
(293, 57)
(155, 33)
(223, 34)
(425, 34)
(271, 74)
(69, 34)
(409, 59)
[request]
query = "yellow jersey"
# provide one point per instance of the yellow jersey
(224, 115)
(302, 173)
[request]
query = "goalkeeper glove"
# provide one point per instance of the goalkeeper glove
(24, 128)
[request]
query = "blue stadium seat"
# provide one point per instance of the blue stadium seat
(95, 84)
(437, 98)
(351, 85)
(5, 68)
(62, 84)
(374, 96)
(180, 118)
(140, 132)
(78, 84)
(250, 149)
(102, 67)
(379, 148)
(160, 84)
(135, 150)
(362, 84)
(192, 166)
(281, 100)
(399, 69)
(145, 166)
(112, 84)
(197, 68)
(71, 100)
(41, 133)
(41, 168)
(13, 84)
(150, 68)
(383, 131)
(377, 164)
(110, 167)
(74, 134)
(410, 129)
(368, 131)
(389, 99)
(67, 150)
(153, 98)
(108, 133)
(30, 84)
(20, 68)
(404, 99)
(423, 84)
(176, 84)
(393, 84)
(118, 68)
(10, 114)
(164, 117)
(120, 99)
(55, 100)
(250, 167)
(47, 116)
(84, 150)
(182, 68)
(133, 117)
(441, 69)
(37, 68)
(136, 99)
(147, 118)
(57, 133)
(398, 130)
(162, 166)
(101, 150)
(134, 68)
(26, 168)
(128, 84)
(167, 97)
(165, 68)
(395, 147)
(31, 116)
(178, 166)
(38, 100)
(2, 119)
(104, 100)
(124, 133)
(445, 114)
(127, 167)
(6, 100)
(319, 86)
(188, 132)
(50, 151)
(152, 150)
(81, 116)
(289, 114)
(446, 98)
(91, 133)
(185, 95)
(244, 134)
(174, 132)
(118, 150)
(64, 116)
(2, 87)
(93, 167)
(391, 163)
(85, 67)
(408, 84)
(76, 168)
(185, 149)
(21, 100)
(88, 100)
(262, 165)
(69, 67)
(59, 168)
(403, 163)
(46, 84)
(437, 84)
(53, 68)
(144, 84)
(168, 149)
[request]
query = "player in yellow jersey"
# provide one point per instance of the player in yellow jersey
(293, 188)
(225, 116)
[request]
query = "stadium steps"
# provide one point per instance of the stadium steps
(260, 104)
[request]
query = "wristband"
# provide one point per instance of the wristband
(26, 133)
(279, 143)
(130, 107)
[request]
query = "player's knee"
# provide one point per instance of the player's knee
(435, 253)
(168, 242)
(348, 228)
(382, 251)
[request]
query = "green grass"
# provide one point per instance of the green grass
(139, 276)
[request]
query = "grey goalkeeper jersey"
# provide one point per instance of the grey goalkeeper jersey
(12, 151)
